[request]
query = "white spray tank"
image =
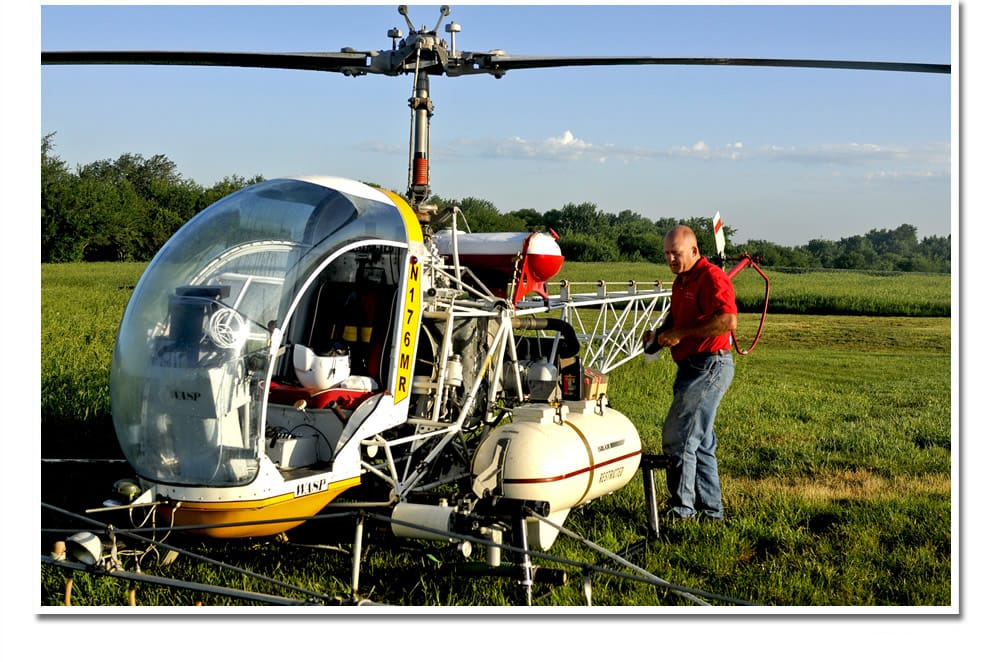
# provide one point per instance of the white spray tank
(566, 454)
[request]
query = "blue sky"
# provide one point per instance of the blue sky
(786, 155)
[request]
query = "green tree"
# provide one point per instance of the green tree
(581, 218)
(480, 215)
(902, 241)
(483, 216)
(769, 253)
(639, 241)
(857, 253)
(106, 221)
(225, 187)
(145, 175)
(582, 247)
(824, 252)
(57, 192)
(529, 219)
(937, 250)
(628, 217)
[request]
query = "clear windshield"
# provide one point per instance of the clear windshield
(192, 353)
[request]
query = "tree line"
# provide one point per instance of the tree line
(124, 209)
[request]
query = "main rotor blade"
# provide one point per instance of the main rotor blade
(333, 62)
(508, 62)
(498, 64)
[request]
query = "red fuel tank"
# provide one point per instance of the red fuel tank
(526, 259)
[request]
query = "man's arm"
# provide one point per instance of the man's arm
(718, 324)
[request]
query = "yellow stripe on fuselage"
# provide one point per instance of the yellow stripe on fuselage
(411, 306)
(413, 231)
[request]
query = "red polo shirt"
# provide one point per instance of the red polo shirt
(697, 294)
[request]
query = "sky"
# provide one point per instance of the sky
(786, 155)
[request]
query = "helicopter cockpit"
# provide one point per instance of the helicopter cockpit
(275, 292)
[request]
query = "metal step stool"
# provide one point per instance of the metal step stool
(647, 464)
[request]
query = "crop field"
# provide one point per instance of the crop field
(835, 453)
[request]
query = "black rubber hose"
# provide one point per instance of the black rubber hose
(569, 346)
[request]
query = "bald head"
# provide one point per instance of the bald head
(680, 248)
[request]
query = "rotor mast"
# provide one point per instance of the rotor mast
(417, 45)
(421, 110)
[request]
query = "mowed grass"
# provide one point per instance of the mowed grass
(835, 453)
(834, 448)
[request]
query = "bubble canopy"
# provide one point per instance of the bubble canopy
(199, 338)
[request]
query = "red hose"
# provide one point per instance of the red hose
(744, 262)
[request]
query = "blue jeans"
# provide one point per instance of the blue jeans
(689, 435)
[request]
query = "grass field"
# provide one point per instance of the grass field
(835, 455)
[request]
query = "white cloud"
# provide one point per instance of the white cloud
(903, 175)
(932, 159)
(862, 154)
(564, 147)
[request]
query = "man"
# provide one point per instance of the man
(698, 332)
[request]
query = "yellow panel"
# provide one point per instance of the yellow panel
(223, 519)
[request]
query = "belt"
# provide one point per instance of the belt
(705, 355)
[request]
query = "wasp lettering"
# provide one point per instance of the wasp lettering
(310, 487)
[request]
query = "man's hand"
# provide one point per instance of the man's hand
(669, 338)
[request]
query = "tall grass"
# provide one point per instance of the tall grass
(835, 455)
(81, 307)
(815, 292)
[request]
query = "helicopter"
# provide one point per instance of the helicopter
(316, 342)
